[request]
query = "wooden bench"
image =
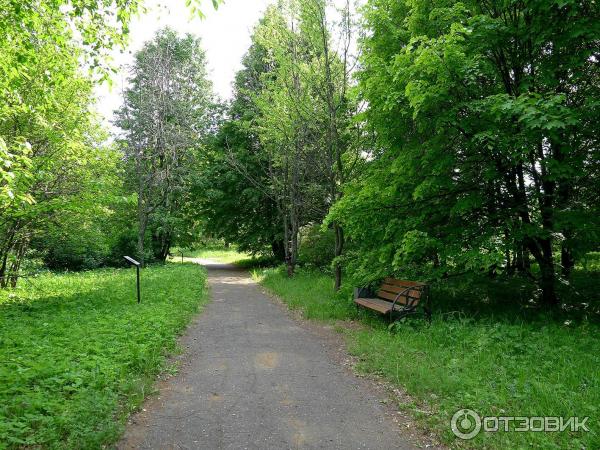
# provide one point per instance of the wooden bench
(395, 297)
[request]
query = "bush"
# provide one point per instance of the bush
(125, 244)
(68, 255)
(84, 246)
(317, 247)
(75, 246)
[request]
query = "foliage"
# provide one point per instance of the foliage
(40, 48)
(467, 156)
(481, 351)
(163, 119)
(486, 150)
(59, 168)
(291, 121)
(79, 354)
(286, 143)
(86, 239)
(317, 246)
(231, 190)
(53, 164)
(52, 54)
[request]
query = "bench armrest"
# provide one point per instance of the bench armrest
(362, 292)
(411, 300)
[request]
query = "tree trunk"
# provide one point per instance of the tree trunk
(339, 247)
(16, 265)
(510, 262)
(141, 239)
(525, 257)
(567, 260)
(278, 249)
(140, 245)
(286, 247)
(3, 275)
(521, 259)
(165, 246)
(548, 286)
(293, 257)
(547, 275)
(6, 249)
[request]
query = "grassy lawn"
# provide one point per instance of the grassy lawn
(215, 252)
(78, 354)
(476, 354)
(218, 253)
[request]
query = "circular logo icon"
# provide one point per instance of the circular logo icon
(465, 424)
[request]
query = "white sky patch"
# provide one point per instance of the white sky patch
(225, 35)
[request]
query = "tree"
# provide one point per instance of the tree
(51, 54)
(163, 118)
(233, 199)
(52, 147)
(485, 155)
(330, 80)
(286, 127)
(305, 122)
(288, 142)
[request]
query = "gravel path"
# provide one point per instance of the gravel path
(252, 378)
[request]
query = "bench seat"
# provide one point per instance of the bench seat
(395, 296)
(376, 304)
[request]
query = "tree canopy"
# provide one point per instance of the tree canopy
(468, 143)
(60, 184)
(416, 138)
(163, 119)
(486, 150)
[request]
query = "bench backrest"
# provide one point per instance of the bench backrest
(391, 287)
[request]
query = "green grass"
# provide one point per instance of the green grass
(215, 252)
(309, 292)
(498, 361)
(220, 254)
(78, 354)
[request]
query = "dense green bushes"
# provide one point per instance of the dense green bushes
(316, 247)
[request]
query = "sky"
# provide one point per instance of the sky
(225, 35)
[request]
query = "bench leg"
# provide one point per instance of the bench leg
(427, 314)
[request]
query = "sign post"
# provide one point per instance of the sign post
(137, 265)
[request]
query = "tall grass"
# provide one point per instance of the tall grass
(308, 292)
(77, 353)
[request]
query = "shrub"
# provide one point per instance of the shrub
(317, 247)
